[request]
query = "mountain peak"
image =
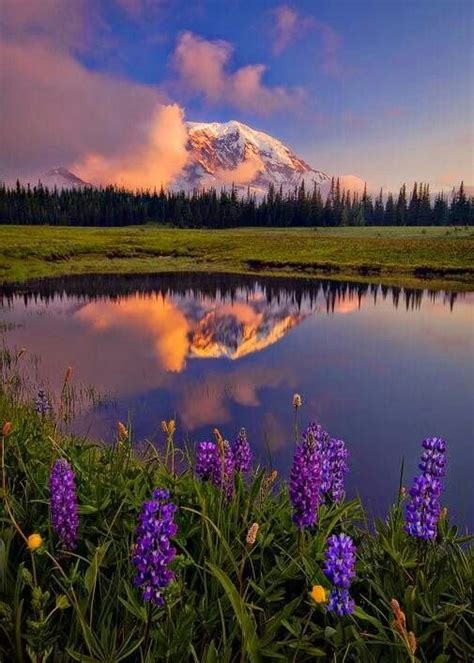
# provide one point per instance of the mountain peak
(222, 153)
(62, 178)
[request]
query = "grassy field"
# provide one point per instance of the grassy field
(434, 257)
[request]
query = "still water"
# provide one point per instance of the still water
(380, 367)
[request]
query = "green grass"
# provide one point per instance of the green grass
(229, 601)
(434, 257)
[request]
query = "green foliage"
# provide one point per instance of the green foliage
(231, 601)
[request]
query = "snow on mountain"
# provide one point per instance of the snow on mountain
(62, 178)
(224, 153)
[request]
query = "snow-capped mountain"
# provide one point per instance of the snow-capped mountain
(62, 178)
(231, 152)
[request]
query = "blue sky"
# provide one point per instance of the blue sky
(380, 89)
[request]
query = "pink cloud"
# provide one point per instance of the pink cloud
(289, 26)
(57, 112)
(156, 162)
(202, 66)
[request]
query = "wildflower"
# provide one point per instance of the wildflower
(34, 541)
(252, 534)
(219, 439)
(122, 430)
(334, 455)
(242, 452)
(424, 508)
(42, 404)
(215, 465)
(207, 458)
(68, 374)
(7, 426)
(64, 515)
(400, 625)
(269, 480)
(305, 483)
(297, 401)
(339, 568)
(412, 642)
(318, 594)
(334, 465)
(433, 459)
(168, 427)
(153, 553)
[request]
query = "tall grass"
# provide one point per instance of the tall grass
(230, 601)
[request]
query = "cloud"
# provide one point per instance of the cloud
(54, 110)
(288, 26)
(331, 43)
(54, 21)
(202, 66)
(244, 173)
(156, 162)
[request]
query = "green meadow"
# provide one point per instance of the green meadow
(432, 257)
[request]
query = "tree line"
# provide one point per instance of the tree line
(116, 206)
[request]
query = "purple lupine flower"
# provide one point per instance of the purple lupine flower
(433, 459)
(423, 509)
(207, 457)
(215, 465)
(333, 454)
(305, 483)
(42, 404)
(63, 503)
(153, 552)
(242, 452)
(340, 569)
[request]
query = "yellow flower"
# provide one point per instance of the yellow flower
(171, 426)
(34, 541)
(318, 594)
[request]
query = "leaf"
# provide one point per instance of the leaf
(245, 620)
(90, 577)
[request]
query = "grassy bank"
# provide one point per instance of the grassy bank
(231, 599)
(415, 257)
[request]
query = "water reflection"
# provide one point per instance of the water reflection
(380, 367)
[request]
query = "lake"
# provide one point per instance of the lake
(380, 367)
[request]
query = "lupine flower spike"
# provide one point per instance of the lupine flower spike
(305, 483)
(334, 454)
(340, 569)
(42, 405)
(424, 508)
(242, 453)
(64, 515)
(153, 553)
(215, 462)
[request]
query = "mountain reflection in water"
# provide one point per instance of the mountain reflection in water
(380, 367)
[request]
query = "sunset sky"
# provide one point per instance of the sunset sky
(380, 89)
